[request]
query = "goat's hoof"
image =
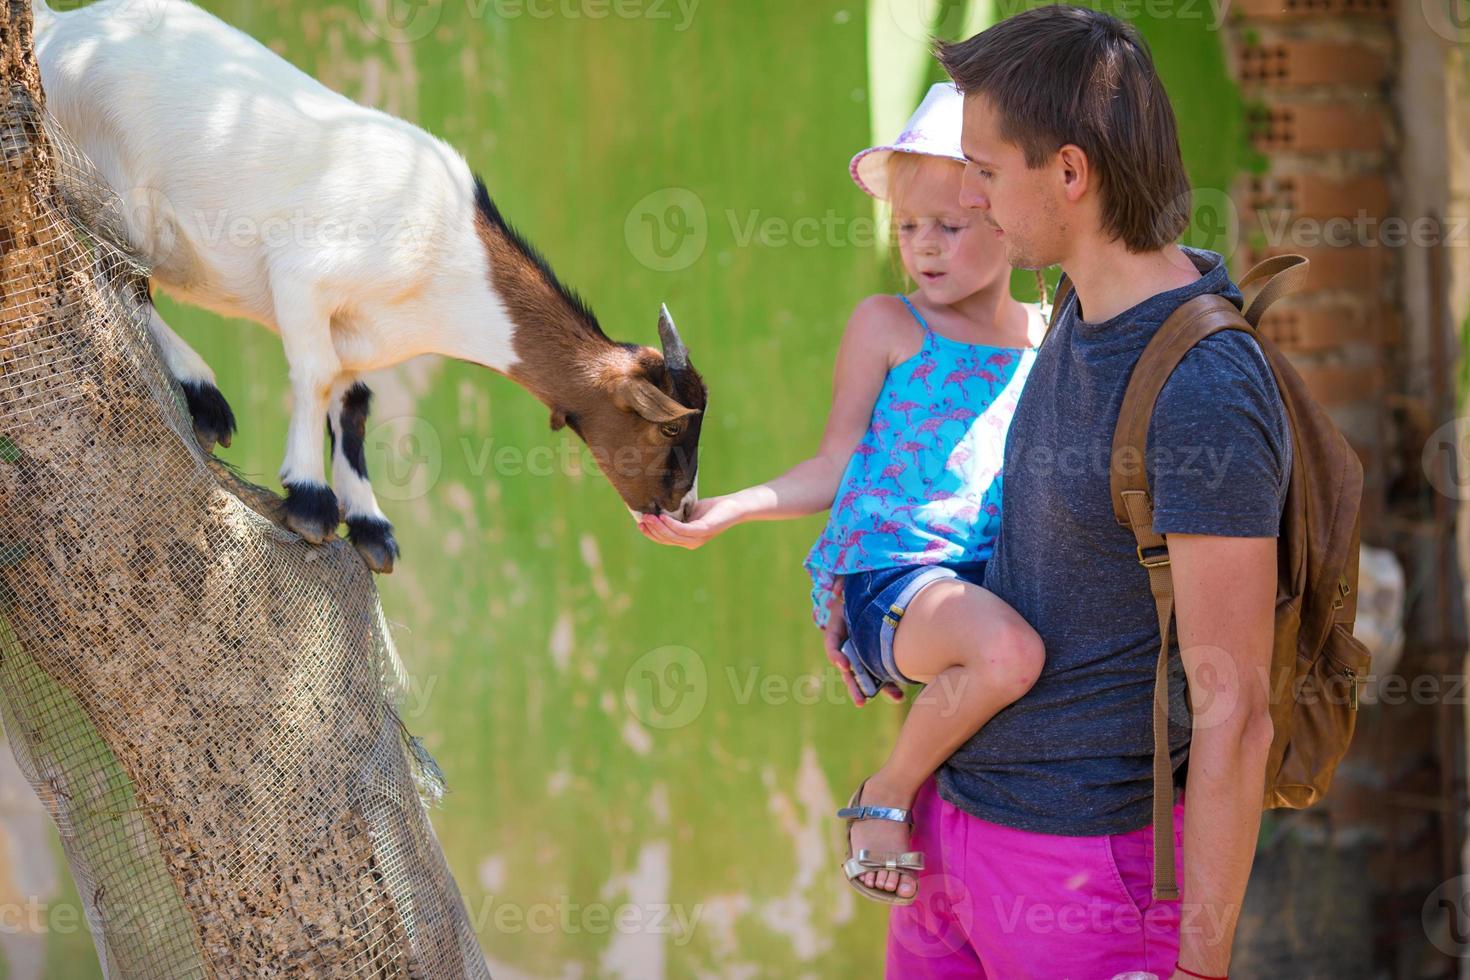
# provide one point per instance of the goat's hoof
(214, 422)
(311, 511)
(373, 539)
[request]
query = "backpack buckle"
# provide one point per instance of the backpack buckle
(1158, 556)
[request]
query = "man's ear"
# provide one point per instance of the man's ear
(1076, 170)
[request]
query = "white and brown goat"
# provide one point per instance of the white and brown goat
(363, 241)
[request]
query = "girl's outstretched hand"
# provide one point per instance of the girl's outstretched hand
(707, 518)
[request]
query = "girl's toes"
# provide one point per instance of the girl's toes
(891, 884)
(907, 886)
(871, 879)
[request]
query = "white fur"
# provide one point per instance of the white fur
(257, 192)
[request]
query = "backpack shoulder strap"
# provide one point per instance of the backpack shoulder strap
(1187, 326)
(1133, 506)
(1279, 276)
(1064, 289)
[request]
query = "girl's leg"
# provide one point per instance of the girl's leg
(975, 655)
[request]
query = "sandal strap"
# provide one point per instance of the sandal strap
(893, 813)
(889, 860)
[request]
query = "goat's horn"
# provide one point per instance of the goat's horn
(676, 355)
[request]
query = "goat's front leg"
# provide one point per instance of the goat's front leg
(306, 335)
(214, 422)
(367, 527)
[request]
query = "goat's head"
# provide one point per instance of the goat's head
(643, 429)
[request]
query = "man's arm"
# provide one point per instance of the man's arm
(1225, 598)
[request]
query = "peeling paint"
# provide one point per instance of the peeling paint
(639, 954)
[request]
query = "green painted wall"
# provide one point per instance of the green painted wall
(629, 730)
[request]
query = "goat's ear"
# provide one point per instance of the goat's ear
(645, 398)
(558, 419)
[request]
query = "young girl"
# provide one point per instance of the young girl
(923, 392)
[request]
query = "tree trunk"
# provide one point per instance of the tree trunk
(203, 701)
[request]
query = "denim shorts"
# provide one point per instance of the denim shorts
(873, 602)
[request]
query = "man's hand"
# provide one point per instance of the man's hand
(833, 636)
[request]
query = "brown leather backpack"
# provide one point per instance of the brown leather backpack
(1315, 659)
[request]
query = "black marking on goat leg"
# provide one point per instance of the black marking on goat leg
(311, 511)
(213, 419)
(355, 405)
(373, 539)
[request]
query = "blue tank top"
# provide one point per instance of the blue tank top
(923, 486)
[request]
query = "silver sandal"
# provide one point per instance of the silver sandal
(866, 860)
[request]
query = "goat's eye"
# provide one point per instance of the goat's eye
(671, 429)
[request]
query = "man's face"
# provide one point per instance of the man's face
(1019, 204)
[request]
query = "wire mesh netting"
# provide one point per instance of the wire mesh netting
(204, 703)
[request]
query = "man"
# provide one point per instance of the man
(1038, 833)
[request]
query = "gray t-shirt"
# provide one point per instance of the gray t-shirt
(1074, 755)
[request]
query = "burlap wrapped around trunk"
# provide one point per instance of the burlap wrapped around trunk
(204, 702)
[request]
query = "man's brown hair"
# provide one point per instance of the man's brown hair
(1058, 74)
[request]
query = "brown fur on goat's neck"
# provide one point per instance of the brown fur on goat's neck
(563, 357)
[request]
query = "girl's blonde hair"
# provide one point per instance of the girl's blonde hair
(902, 168)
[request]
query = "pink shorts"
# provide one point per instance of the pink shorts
(1006, 904)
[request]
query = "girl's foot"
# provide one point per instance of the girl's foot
(879, 837)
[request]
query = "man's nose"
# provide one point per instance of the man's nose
(971, 196)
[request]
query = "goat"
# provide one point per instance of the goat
(255, 191)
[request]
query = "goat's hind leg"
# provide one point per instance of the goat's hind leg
(311, 506)
(367, 528)
(214, 422)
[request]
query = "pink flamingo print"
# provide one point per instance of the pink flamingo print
(958, 377)
(1000, 360)
(968, 513)
(905, 510)
(964, 415)
(905, 406)
(912, 447)
(938, 493)
(854, 540)
(894, 470)
(848, 499)
(938, 528)
(992, 510)
(933, 424)
(880, 494)
(887, 527)
(921, 373)
(934, 553)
